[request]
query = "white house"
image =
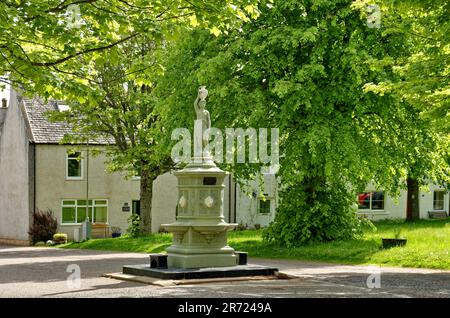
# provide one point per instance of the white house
(376, 205)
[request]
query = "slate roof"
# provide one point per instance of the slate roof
(45, 132)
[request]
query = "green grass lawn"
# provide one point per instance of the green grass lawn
(428, 246)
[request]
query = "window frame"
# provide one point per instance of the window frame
(265, 200)
(370, 209)
(89, 208)
(443, 199)
(81, 177)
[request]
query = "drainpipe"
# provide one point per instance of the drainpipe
(229, 198)
(87, 179)
(34, 176)
(235, 200)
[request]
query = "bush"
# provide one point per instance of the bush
(43, 227)
(134, 227)
(60, 238)
(323, 215)
(40, 243)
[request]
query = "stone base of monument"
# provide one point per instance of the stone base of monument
(199, 273)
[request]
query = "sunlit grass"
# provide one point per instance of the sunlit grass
(428, 246)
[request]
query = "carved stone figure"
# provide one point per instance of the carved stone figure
(201, 112)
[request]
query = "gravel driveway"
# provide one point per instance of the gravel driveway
(42, 272)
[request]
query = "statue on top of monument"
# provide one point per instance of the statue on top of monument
(202, 113)
(200, 110)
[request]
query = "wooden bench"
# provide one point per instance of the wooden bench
(100, 230)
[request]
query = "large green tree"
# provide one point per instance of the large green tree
(423, 74)
(119, 106)
(41, 41)
(101, 56)
(303, 67)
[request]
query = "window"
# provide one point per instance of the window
(438, 200)
(74, 165)
(371, 200)
(264, 206)
(76, 211)
(136, 207)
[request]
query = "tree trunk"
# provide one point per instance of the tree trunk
(412, 200)
(146, 199)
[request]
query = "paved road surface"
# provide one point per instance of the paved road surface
(42, 272)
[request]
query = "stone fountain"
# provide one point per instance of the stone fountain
(199, 248)
(200, 230)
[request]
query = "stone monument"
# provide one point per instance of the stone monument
(200, 230)
(199, 248)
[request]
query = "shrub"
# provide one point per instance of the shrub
(60, 238)
(40, 243)
(325, 214)
(43, 227)
(134, 227)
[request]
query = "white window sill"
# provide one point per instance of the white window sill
(374, 212)
(74, 179)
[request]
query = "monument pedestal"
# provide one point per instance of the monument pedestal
(200, 231)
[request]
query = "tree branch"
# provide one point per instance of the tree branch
(100, 48)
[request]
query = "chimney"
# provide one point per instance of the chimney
(4, 103)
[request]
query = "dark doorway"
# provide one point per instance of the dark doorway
(136, 207)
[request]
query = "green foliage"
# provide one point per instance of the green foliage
(60, 238)
(421, 74)
(328, 217)
(134, 225)
(44, 42)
